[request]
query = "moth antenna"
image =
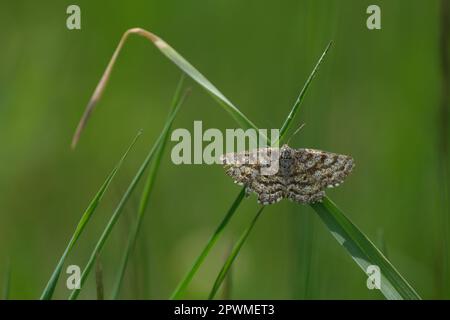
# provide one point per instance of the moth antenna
(296, 131)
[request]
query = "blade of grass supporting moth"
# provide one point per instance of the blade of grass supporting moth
(117, 212)
(51, 284)
(288, 122)
(186, 280)
(227, 265)
(179, 61)
(363, 251)
(145, 198)
(188, 277)
(381, 241)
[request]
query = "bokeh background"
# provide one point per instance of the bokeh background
(376, 97)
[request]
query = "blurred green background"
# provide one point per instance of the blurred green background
(376, 97)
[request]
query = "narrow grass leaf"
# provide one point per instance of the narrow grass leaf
(179, 61)
(51, 284)
(145, 197)
(124, 200)
(227, 265)
(363, 251)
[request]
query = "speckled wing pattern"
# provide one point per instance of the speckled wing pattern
(301, 175)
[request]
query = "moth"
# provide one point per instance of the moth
(300, 175)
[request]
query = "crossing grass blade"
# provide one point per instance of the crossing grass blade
(190, 274)
(51, 284)
(179, 61)
(234, 252)
(363, 251)
(125, 198)
(145, 198)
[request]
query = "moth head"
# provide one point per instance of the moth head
(286, 152)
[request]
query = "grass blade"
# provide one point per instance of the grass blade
(381, 241)
(363, 251)
(188, 277)
(288, 122)
(51, 284)
(145, 197)
(99, 279)
(226, 267)
(123, 201)
(179, 61)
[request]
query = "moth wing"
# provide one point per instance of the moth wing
(248, 168)
(241, 166)
(316, 170)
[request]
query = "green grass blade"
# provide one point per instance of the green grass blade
(288, 122)
(145, 197)
(123, 201)
(188, 277)
(363, 251)
(179, 61)
(51, 284)
(226, 267)
(7, 282)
